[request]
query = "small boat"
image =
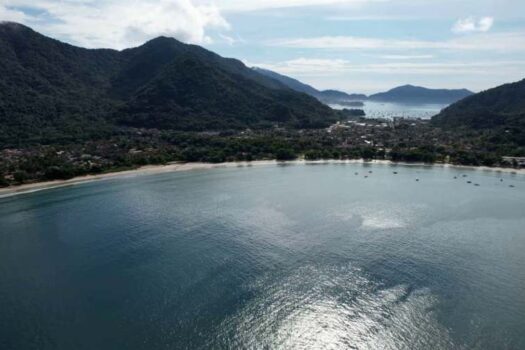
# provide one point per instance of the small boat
(417, 180)
(512, 186)
(469, 182)
(395, 172)
(476, 185)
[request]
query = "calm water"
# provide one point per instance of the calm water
(390, 110)
(277, 257)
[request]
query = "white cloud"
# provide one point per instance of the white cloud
(119, 24)
(7, 14)
(311, 65)
(253, 5)
(230, 40)
(360, 18)
(374, 77)
(470, 24)
(514, 41)
(307, 67)
(406, 57)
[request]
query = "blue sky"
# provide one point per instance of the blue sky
(352, 45)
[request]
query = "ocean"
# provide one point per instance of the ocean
(389, 110)
(268, 257)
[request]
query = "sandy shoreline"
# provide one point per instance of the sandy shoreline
(175, 167)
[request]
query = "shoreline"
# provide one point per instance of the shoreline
(178, 167)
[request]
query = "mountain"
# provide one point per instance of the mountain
(417, 94)
(326, 96)
(403, 94)
(339, 95)
(51, 91)
(500, 107)
(292, 83)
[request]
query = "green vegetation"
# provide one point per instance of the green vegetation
(498, 114)
(496, 117)
(503, 106)
(405, 141)
(52, 92)
(67, 111)
(3, 181)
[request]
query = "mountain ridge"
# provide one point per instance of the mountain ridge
(51, 90)
(326, 96)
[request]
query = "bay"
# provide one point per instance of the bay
(277, 256)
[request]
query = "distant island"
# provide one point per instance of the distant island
(67, 111)
(410, 94)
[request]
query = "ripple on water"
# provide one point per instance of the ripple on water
(334, 307)
(381, 215)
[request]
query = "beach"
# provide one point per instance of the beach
(175, 167)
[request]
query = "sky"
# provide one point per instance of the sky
(358, 46)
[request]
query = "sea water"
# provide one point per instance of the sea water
(276, 257)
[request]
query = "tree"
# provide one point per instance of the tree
(3, 181)
(368, 153)
(312, 155)
(285, 154)
(20, 176)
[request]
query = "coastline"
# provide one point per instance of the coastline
(178, 167)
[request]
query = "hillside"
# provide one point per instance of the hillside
(55, 92)
(292, 83)
(503, 106)
(342, 96)
(326, 96)
(415, 94)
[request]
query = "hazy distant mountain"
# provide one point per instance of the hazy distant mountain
(500, 107)
(327, 96)
(50, 90)
(339, 95)
(290, 82)
(417, 94)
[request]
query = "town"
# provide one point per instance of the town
(357, 137)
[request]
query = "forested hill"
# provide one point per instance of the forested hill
(417, 94)
(52, 92)
(326, 96)
(503, 106)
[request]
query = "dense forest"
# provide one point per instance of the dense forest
(500, 106)
(55, 92)
(499, 111)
